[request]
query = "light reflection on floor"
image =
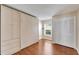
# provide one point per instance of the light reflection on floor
(45, 48)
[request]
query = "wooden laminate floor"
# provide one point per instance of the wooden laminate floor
(45, 47)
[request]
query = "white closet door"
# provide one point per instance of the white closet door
(6, 30)
(69, 31)
(29, 30)
(64, 31)
(16, 30)
(6, 23)
(9, 43)
(25, 30)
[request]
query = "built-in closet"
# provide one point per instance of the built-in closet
(66, 29)
(18, 30)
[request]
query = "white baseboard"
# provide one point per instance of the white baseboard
(28, 45)
(71, 47)
(64, 44)
(77, 50)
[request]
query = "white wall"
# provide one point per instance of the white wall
(40, 29)
(64, 29)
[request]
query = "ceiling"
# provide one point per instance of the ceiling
(45, 11)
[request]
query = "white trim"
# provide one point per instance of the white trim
(77, 50)
(75, 34)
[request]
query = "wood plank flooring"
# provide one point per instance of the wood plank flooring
(45, 47)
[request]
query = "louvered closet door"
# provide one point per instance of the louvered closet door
(9, 25)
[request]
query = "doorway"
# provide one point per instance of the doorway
(47, 29)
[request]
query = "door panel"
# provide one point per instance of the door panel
(29, 30)
(10, 41)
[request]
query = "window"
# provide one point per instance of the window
(47, 29)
